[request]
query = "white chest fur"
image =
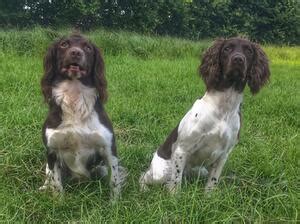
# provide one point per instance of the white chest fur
(76, 100)
(80, 133)
(209, 130)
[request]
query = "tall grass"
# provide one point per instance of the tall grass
(33, 42)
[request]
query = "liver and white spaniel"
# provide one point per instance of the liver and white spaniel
(77, 133)
(210, 129)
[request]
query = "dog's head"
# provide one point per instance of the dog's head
(233, 63)
(74, 57)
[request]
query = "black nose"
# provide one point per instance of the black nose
(76, 53)
(238, 59)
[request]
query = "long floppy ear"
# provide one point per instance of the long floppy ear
(210, 68)
(99, 76)
(50, 66)
(259, 73)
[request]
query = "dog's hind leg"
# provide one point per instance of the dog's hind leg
(159, 172)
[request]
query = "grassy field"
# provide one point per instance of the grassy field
(152, 83)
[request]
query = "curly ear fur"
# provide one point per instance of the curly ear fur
(99, 76)
(259, 73)
(49, 72)
(210, 68)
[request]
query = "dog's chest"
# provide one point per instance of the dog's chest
(222, 132)
(220, 137)
(76, 100)
(209, 132)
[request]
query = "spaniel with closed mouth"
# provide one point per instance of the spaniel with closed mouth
(209, 131)
(77, 133)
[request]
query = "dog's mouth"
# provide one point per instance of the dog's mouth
(236, 73)
(74, 70)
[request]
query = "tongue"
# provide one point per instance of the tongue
(74, 68)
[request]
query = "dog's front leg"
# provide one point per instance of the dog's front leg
(214, 173)
(115, 182)
(145, 179)
(53, 180)
(177, 167)
(105, 150)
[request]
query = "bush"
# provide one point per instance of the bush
(262, 20)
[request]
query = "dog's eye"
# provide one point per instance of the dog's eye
(87, 48)
(249, 51)
(64, 44)
(227, 49)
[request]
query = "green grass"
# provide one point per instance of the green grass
(152, 83)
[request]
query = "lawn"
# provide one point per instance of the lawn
(152, 82)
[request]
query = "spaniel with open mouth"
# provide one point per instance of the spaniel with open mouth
(208, 132)
(77, 133)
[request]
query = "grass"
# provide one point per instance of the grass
(152, 83)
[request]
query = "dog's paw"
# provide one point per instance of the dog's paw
(172, 187)
(100, 171)
(202, 171)
(54, 189)
(208, 192)
(115, 193)
(142, 181)
(123, 173)
(44, 188)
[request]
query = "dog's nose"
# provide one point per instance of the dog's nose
(76, 53)
(238, 59)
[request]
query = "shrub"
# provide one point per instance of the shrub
(262, 20)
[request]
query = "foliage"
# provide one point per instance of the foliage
(262, 20)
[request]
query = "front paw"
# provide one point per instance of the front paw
(172, 187)
(116, 186)
(115, 194)
(123, 173)
(209, 189)
(55, 189)
(211, 185)
(143, 185)
(208, 192)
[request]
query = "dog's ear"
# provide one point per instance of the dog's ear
(50, 66)
(99, 76)
(259, 73)
(210, 68)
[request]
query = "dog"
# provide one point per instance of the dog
(206, 135)
(77, 133)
